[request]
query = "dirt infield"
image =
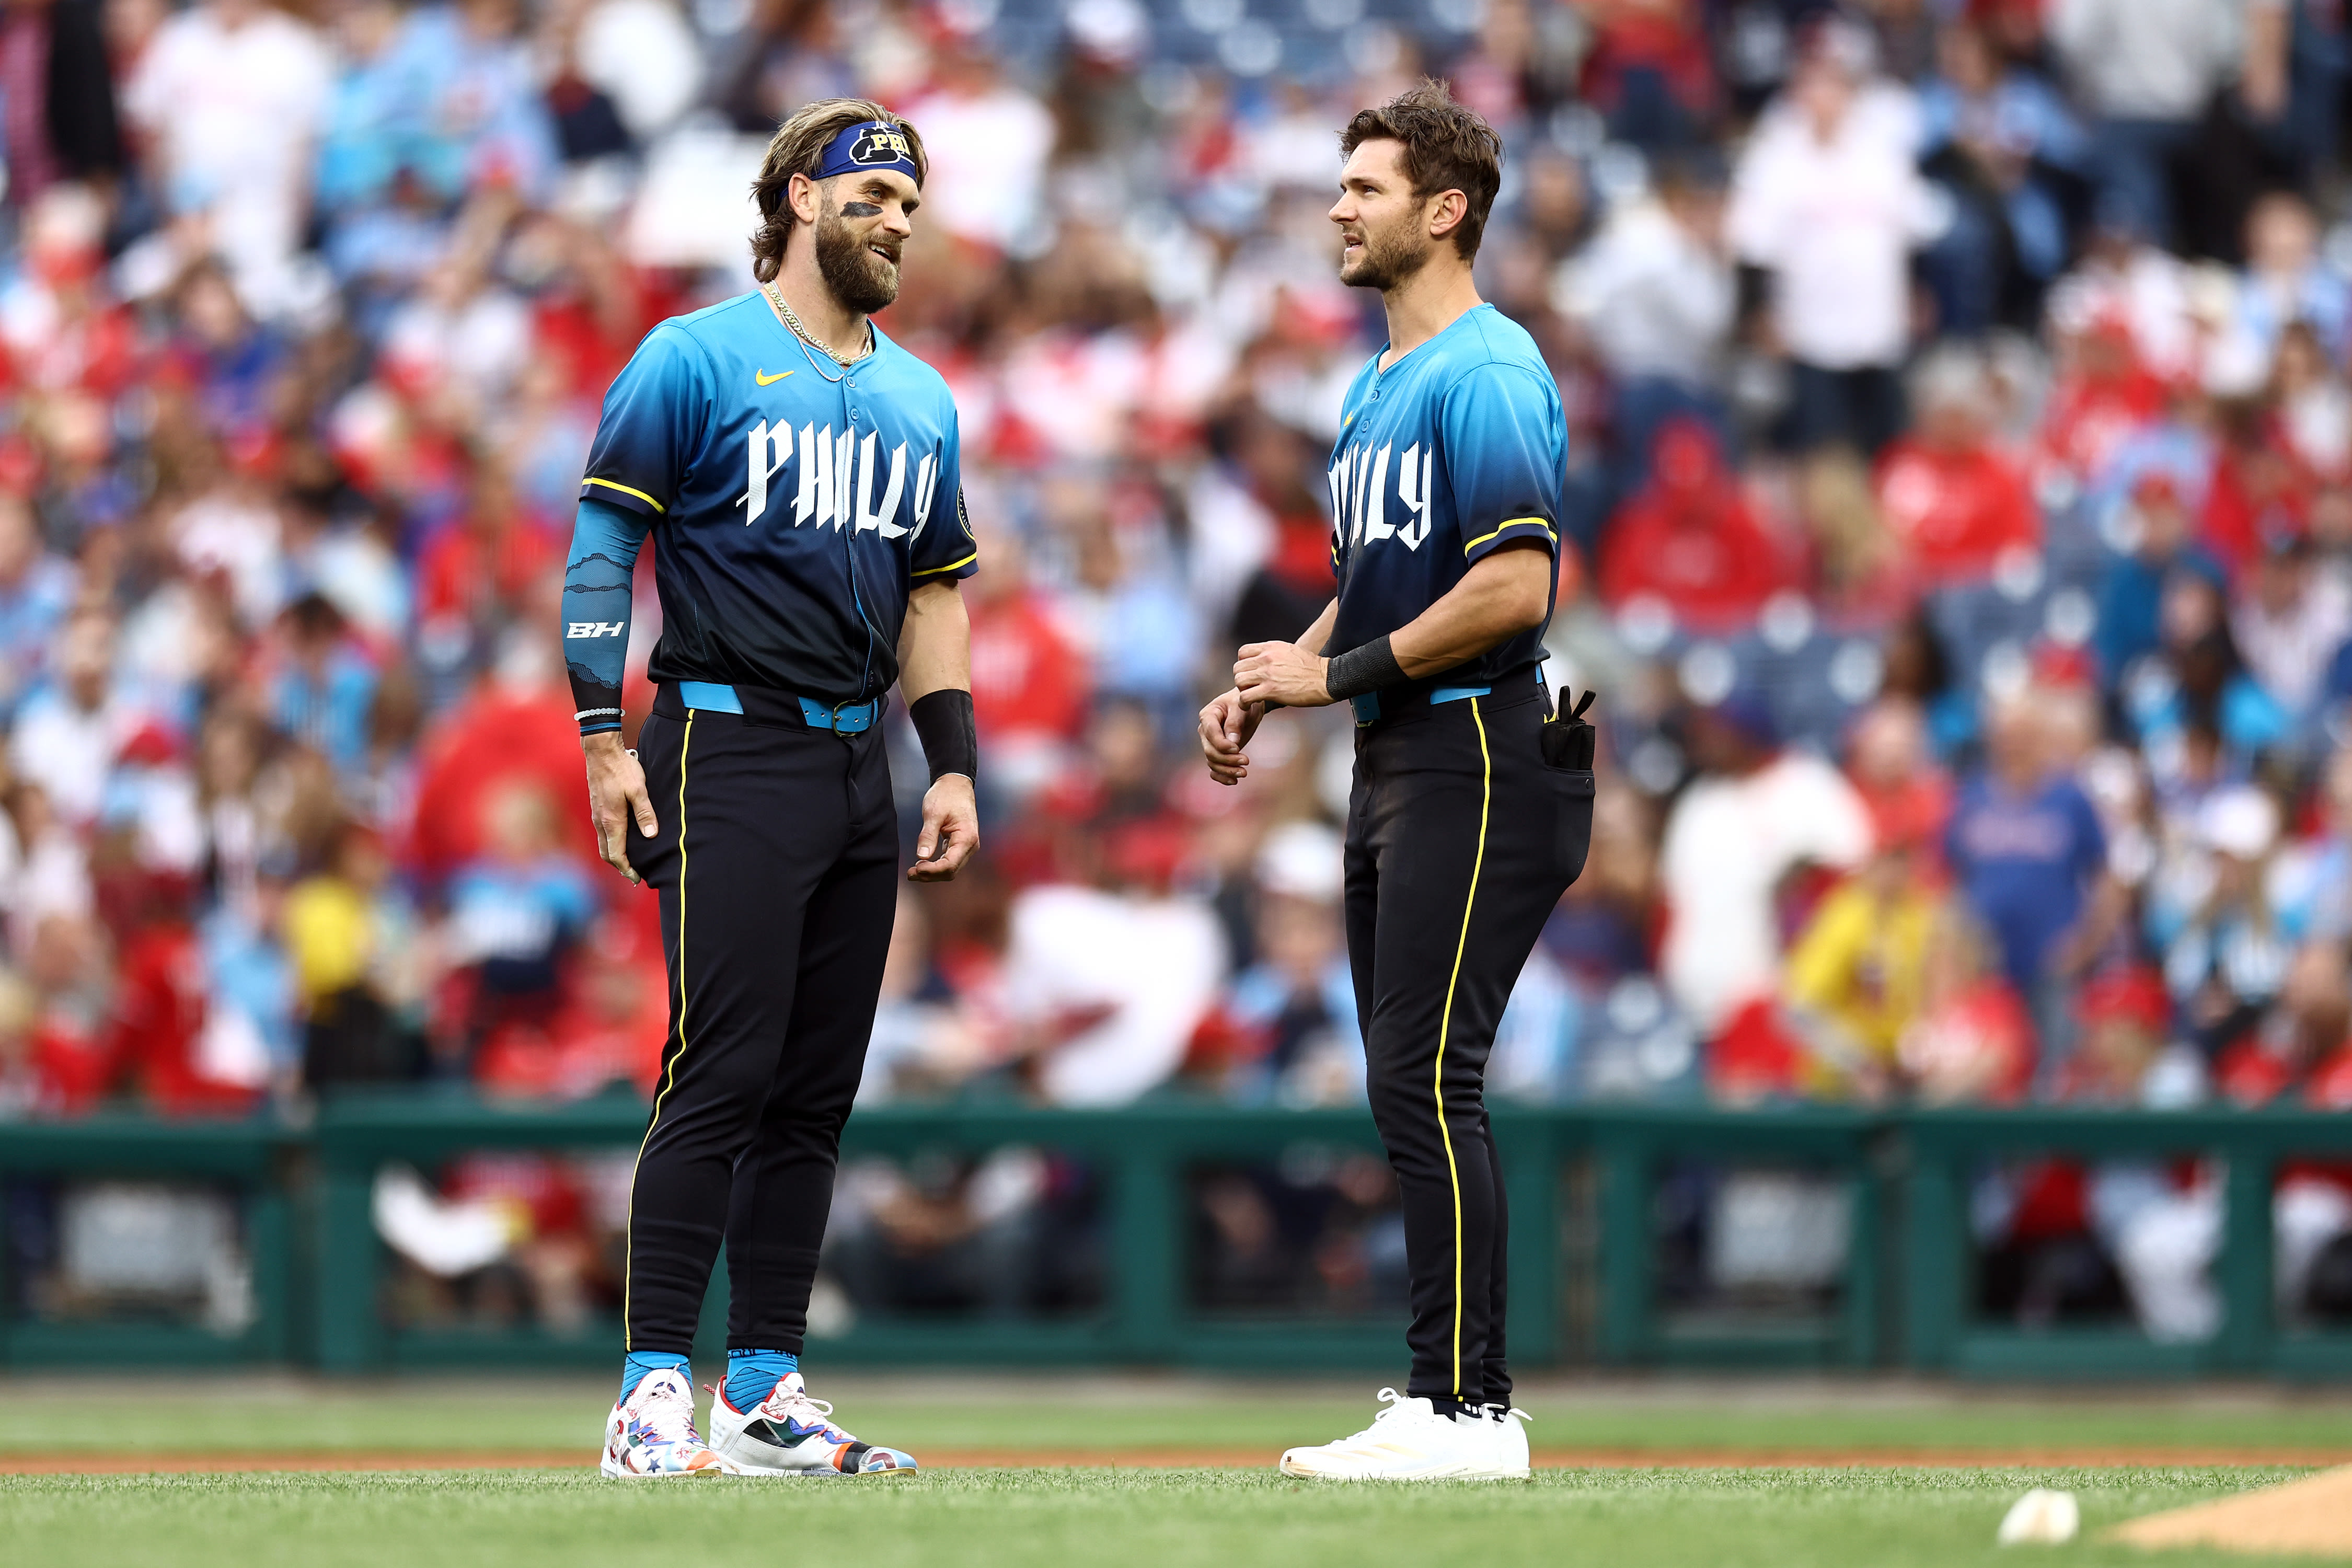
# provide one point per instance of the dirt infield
(2313, 1515)
(2119, 1458)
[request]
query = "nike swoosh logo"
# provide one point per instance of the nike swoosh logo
(765, 379)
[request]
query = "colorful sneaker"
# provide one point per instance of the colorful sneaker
(1409, 1441)
(651, 1433)
(789, 1434)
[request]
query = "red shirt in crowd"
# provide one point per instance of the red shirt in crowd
(589, 328)
(1026, 678)
(497, 735)
(2092, 413)
(1690, 538)
(1663, 44)
(158, 1022)
(467, 566)
(60, 1069)
(611, 1028)
(2261, 492)
(1955, 510)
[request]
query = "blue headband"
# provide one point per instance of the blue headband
(868, 145)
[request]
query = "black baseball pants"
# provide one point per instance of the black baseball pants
(1460, 838)
(777, 865)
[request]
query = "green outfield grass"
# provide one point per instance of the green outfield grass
(265, 1414)
(1642, 1518)
(1125, 1518)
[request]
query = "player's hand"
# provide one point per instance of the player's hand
(950, 830)
(1226, 725)
(1282, 675)
(617, 792)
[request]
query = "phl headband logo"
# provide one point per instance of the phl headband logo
(882, 144)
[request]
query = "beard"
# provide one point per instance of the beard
(861, 280)
(1387, 259)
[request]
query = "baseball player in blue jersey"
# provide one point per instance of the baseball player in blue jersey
(798, 474)
(1472, 804)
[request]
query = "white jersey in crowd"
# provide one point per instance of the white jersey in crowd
(1835, 221)
(234, 99)
(1657, 300)
(1155, 963)
(1727, 845)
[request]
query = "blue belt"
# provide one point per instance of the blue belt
(849, 718)
(1368, 706)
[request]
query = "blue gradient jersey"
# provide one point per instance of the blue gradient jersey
(1453, 452)
(794, 504)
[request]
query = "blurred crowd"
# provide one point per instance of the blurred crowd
(1959, 535)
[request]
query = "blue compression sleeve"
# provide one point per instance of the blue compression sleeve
(604, 544)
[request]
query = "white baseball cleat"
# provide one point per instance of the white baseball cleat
(789, 1434)
(1506, 1431)
(1410, 1441)
(650, 1434)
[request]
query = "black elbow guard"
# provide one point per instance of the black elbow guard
(951, 739)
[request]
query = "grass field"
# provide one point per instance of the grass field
(1636, 1516)
(1709, 1518)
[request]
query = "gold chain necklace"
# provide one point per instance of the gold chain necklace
(776, 298)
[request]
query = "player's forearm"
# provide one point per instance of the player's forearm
(935, 677)
(1504, 594)
(935, 644)
(1317, 637)
(596, 585)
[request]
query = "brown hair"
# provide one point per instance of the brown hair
(1446, 148)
(797, 148)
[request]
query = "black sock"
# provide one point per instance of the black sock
(1444, 1407)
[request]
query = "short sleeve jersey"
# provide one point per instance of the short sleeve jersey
(794, 503)
(1453, 452)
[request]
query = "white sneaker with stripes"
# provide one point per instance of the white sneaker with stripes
(1410, 1441)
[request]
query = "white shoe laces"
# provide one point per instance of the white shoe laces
(790, 1402)
(665, 1411)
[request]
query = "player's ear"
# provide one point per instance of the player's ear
(801, 196)
(1447, 209)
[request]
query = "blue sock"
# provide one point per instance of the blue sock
(752, 1376)
(634, 1370)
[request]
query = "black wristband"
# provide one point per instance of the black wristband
(950, 740)
(1363, 670)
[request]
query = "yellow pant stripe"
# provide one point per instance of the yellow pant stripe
(669, 1078)
(1446, 1025)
